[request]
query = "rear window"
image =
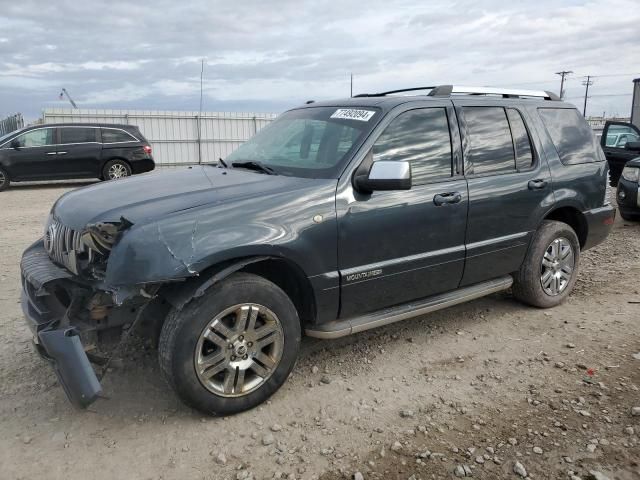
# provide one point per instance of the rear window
(77, 135)
(111, 135)
(570, 134)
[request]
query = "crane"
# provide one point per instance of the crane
(65, 93)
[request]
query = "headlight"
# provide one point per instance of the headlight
(631, 174)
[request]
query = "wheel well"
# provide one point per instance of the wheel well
(285, 274)
(292, 280)
(572, 217)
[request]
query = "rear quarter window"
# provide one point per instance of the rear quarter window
(570, 134)
(111, 135)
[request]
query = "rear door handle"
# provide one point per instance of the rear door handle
(537, 184)
(447, 198)
(52, 153)
(62, 153)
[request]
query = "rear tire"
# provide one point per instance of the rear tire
(116, 169)
(4, 179)
(214, 352)
(550, 268)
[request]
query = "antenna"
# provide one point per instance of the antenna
(200, 115)
(65, 93)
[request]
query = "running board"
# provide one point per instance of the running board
(342, 328)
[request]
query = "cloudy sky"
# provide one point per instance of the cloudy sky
(267, 56)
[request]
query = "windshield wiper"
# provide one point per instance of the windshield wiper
(222, 162)
(255, 165)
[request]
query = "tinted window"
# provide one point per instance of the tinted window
(110, 135)
(570, 135)
(521, 140)
(420, 137)
(490, 148)
(36, 138)
(77, 135)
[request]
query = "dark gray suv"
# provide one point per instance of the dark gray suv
(336, 218)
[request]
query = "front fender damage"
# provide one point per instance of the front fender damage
(150, 255)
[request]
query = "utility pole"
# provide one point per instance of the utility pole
(586, 83)
(351, 94)
(562, 74)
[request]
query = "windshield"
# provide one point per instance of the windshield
(310, 142)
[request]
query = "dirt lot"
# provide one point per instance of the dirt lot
(475, 388)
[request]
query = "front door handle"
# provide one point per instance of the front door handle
(537, 184)
(62, 153)
(52, 153)
(447, 198)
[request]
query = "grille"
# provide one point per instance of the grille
(62, 244)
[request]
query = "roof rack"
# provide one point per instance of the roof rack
(449, 90)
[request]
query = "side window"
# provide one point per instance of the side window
(422, 137)
(619, 135)
(111, 135)
(489, 140)
(570, 135)
(36, 138)
(521, 140)
(77, 135)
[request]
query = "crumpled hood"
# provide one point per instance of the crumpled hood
(147, 197)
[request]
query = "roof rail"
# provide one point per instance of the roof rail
(390, 92)
(448, 90)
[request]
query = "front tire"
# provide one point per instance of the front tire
(550, 268)
(4, 179)
(232, 348)
(116, 169)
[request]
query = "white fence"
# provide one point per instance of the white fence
(11, 123)
(177, 138)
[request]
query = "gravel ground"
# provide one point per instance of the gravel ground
(490, 389)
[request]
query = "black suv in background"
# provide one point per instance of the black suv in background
(73, 150)
(338, 217)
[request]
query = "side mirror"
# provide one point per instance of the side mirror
(385, 175)
(635, 146)
(15, 144)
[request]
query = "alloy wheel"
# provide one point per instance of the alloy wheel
(239, 350)
(3, 179)
(117, 170)
(558, 265)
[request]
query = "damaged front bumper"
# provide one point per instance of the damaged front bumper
(56, 338)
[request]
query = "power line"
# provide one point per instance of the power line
(567, 79)
(616, 75)
(604, 95)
